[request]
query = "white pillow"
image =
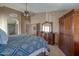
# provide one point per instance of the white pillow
(3, 37)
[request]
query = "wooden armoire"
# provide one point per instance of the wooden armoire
(69, 33)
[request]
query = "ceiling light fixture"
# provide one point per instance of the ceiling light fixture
(26, 12)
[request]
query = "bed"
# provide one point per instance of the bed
(24, 45)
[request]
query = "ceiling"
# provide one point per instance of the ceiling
(41, 7)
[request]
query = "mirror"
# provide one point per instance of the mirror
(12, 23)
(47, 27)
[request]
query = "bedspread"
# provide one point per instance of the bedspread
(22, 45)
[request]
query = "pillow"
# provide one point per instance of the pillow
(3, 37)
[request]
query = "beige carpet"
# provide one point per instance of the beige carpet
(55, 51)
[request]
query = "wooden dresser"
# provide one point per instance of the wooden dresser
(49, 37)
(69, 33)
(45, 30)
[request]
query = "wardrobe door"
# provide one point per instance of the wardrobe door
(76, 32)
(68, 40)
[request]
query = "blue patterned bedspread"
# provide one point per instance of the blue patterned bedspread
(22, 45)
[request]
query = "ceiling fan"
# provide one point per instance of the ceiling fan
(26, 12)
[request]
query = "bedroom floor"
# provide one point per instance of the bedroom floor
(55, 51)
